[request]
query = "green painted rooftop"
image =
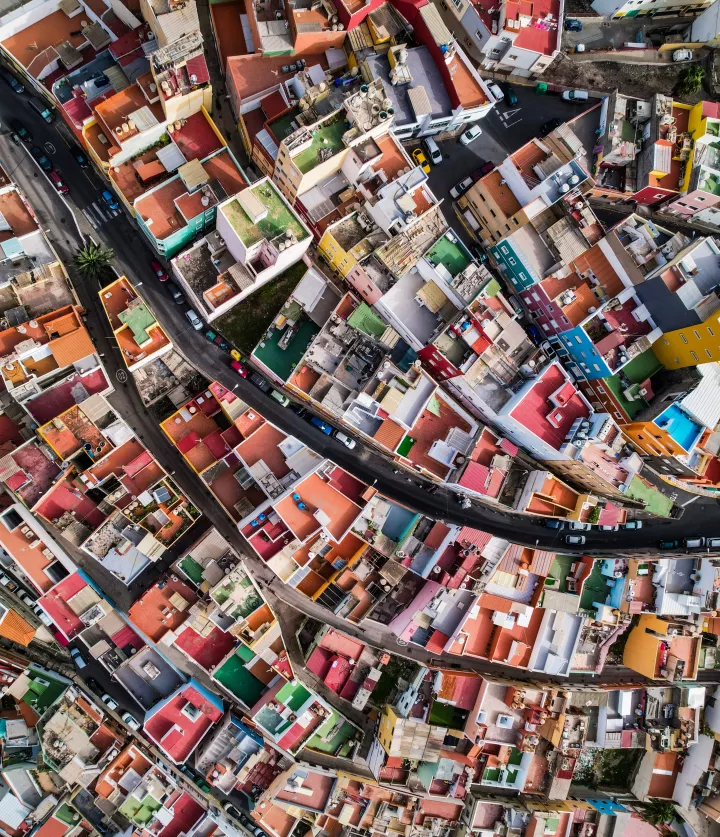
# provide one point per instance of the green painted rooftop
(279, 217)
(139, 319)
(328, 136)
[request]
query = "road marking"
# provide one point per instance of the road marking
(514, 123)
(687, 503)
(50, 148)
(89, 217)
(508, 114)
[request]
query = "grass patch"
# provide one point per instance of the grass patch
(391, 674)
(616, 768)
(245, 324)
(656, 502)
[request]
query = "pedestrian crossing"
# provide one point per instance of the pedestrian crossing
(98, 213)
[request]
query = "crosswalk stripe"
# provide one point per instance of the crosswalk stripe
(90, 218)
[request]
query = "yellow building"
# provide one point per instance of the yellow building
(651, 439)
(656, 649)
(690, 346)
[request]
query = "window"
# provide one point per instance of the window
(12, 519)
(694, 356)
(660, 195)
(710, 332)
(553, 324)
(565, 320)
(457, 3)
(513, 57)
(578, 340)
(536, 297)
(683, 338)
(696, 333)
(700, 199)
(479, 34)
(512, 261)
(492, 212)
(596, 367)
(601, 389)
(546, 327)
(708, 353)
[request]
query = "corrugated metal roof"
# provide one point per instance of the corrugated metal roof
(12, 811)
(704, 401)
(419, 100)
(440, 33)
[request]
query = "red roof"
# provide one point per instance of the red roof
(508, 447)
(536, 412)
(175, 732)
(198, 67)
(474, 537)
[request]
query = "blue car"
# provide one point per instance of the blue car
(110, 200)
(321, 425)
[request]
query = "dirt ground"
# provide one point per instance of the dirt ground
(633, 79)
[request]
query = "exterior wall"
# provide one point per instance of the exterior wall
(180, 107)
(706, 28)
(602, 400)
(690, 346)
(651, 439)
(640, 8)
(688, 206)
(653, 195)
(582, 351)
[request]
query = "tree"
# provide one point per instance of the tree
(691, 79)
(93, 261)
(658, 812)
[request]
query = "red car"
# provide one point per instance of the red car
(159, 270)
(484, 169)
(240, 368)
(58, 182)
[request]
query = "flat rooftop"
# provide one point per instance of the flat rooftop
(279, 217)
(326, 138)
(17, 215)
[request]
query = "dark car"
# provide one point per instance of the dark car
(572, 24)
(549, 126)
(260, 382)
(485, 168)
(510, 95)
(668, 544)
(552, 523)
(42, 158)
(534, 333)
(81, 159)
(11, 81)
(215, 338)
(21, 130)
(479, 253)
(158, 269)
(109, 200)
(175, 293)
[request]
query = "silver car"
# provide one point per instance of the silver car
(193, 319)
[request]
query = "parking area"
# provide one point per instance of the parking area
(504, 130)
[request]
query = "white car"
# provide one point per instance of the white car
(471, 134)
(42, 616)
(131, 721)
(193, 319)
(682, 55)
(346, 440)
(575, 524)
(496, 91)
(109, 701)
(461, 187)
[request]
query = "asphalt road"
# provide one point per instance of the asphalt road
(133, 256)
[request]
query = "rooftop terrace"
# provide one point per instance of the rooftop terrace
(278, 218)
(326, 138)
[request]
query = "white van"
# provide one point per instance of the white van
(432, 150)
(576, 95)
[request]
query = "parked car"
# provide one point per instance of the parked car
(576, 524)
(42, 158)
(240, 368)
(470, 135)
(575, 540)
(576, 96)
(42, 616)
(280, 397)
(694, 543)
(461, 187)
(479, 253)
(421, 160)
(346, 440)
(11, 81)
(534, 333)
(21, 130)
(668, 544)
(193, 319)
(109, 701)
(131, 721)
(606, 528)
(15, 138)
(321, 425)
(432, 150)
(572, 24)
(217, 339)
(682, 55)
(633, 524)
(496, 91)
(110, 200)
(94, 686)
(176, 293)
(229, 808)
(510, 95)
(260, 382)
(554, 524)
(712, 543)
(484, 168)
(42, 109)
(78, 659)
(549, 126)
(81, 159)
(57, 181)
(27, 599)
(159, 270)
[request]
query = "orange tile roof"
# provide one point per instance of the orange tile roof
(389, 434)
(500, 193)
(14, 627)
(72, 347)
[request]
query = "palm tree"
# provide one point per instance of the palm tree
(658, 812)
(93, 261)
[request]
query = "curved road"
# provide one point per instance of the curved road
(133, 256)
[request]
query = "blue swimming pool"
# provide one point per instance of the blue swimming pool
(684, 430)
